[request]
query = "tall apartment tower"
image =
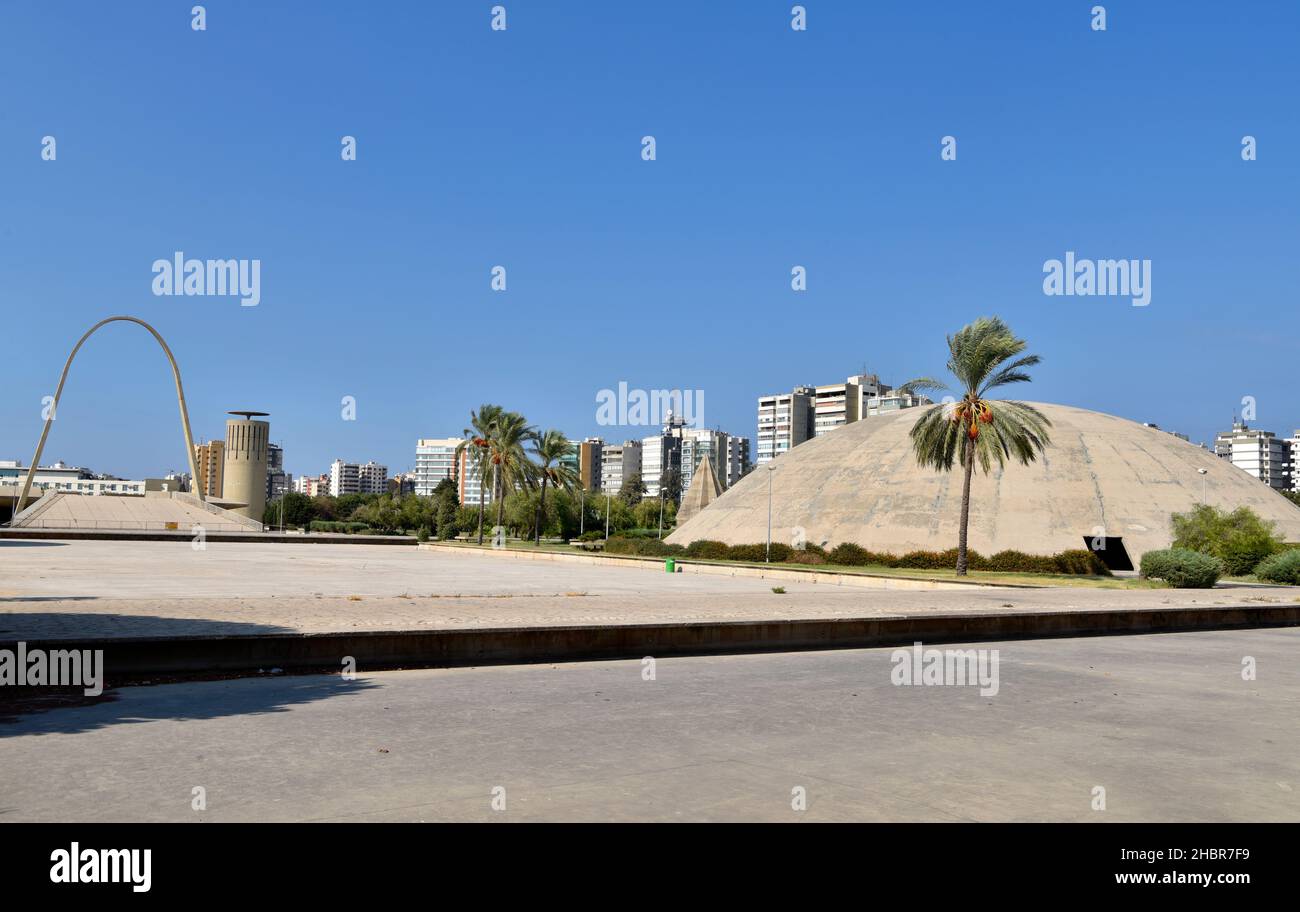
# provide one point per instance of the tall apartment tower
(278, 482)
(1295, 460)
(435, 462)
(245, 462)
(619, 463)
(209, 462)
(589, 462)
(785, 420)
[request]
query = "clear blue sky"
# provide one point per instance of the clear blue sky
(522, 148)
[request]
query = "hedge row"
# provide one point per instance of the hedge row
(1077, 563)
(642, 547)
(326, 525)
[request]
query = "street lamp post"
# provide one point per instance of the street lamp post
(1203, 473)
(661, 512)
(607, 517)
(582, 510)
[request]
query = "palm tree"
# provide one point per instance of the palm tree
(550, 449)
(511, 467)
(480, 458)
(982, 357)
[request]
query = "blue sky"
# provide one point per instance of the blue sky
(522, 148)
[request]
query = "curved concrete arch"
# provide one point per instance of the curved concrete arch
(58, 393)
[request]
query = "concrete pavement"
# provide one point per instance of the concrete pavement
(100, 589)
(1165, 724)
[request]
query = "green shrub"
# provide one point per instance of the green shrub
(1241, 539)
(940, 560)
(758, 552)
(641, 547)
(590, 536)
(1080, 562)
(1182, 568)
(707, 549)
(1283, 567)
(812, 556)
(850, 555)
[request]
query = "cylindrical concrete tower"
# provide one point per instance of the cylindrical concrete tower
(245, 462)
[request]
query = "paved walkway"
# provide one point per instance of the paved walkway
(1165, 724)
(107, 589)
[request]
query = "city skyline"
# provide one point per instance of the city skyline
(376, 273)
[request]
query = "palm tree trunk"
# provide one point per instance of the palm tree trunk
(541, 508)
(968, 468)
(480, 510)
(498, 489)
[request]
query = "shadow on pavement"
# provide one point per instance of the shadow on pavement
(49, 709)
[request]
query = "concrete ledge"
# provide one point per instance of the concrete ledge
(522, 645)
(693, 565)
(316, 538)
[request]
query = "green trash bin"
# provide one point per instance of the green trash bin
(670, 566)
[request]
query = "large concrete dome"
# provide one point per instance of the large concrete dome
(861, 484)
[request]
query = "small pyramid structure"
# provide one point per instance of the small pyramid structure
(705, 489)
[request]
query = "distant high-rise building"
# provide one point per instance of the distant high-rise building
(312, 485)
(1261, 453)
(728, 454)
(372, 478)
(785, 420)
(619, 463)
(343, 478)
(468, 484)
(660, 454)
(357, 478)
(435, 461)
(278, 482)
(1294, 444)
(209, 460)
(589, 462)
(738, 461)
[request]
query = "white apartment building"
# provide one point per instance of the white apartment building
(372, 478)
(618, 463)
(435, 461)
(468, 484)
(659, 454)
(1295, 460)
(67, 479)
(1261, 453)
(343, 478)
(785, 420)
(355, 478)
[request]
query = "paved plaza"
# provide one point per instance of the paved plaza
(51, 589)
(1165, 724)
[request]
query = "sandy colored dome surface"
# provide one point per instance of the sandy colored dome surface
(861, 484)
